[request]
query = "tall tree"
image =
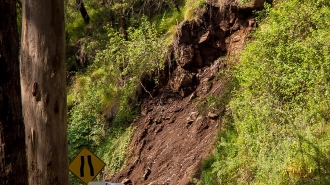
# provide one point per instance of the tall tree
(13, 165)
(44, 91)
(83, 11)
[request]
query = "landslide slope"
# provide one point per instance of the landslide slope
(179, 119)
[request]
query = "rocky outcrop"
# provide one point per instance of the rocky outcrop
(199, 42)
(183, 81)
(221, 28)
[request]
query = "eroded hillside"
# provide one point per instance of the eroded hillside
(179, 118)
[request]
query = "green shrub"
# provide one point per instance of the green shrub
(194, 8)
(279, 130)
(103, 98)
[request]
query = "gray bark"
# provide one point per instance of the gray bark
(44, 91)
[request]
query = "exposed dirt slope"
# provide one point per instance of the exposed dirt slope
(175, 131)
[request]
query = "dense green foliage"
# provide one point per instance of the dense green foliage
(278, 131)
(108, 86)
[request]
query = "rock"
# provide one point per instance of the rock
(170, 100)
(190, 121)
(178, 109)
(215, 66)
(185, 91)
(198, 60)
(172, 120)
(158, 120)
(236, 38)
(159, 129)
(239, 24)
(167, 116)
(252, 23)
(143, 134)
(212, 115)
(146, 174)
(206, 85)
(184, 34)
(148, 120)
(204, 37)
(257, 4)
(235, 27)
(183, 81)
(186, 53)
(126, 182)
(232, 18)
(192, 117)
(210, 51)
(199, 119)
(182, 78)
(192, 96)
(199, 42)
(146, 110)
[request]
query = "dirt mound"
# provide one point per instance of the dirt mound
(174, 131)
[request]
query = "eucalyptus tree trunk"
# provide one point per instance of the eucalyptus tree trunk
(44, 91)
(13, 165)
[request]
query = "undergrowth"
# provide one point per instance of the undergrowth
(103, 99)
(278, 128)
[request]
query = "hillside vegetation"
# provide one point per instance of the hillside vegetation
(278, 128)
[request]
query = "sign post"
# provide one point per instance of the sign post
(86, 165)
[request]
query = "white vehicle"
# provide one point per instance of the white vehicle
(104, 183)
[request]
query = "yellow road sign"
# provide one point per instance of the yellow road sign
(86, 165)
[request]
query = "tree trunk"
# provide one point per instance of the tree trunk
(13, 162)
(123, 26)
(123, 21)
(44, 91)
(83, 11)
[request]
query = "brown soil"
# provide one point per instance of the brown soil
(171, 139)
(176, 129)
